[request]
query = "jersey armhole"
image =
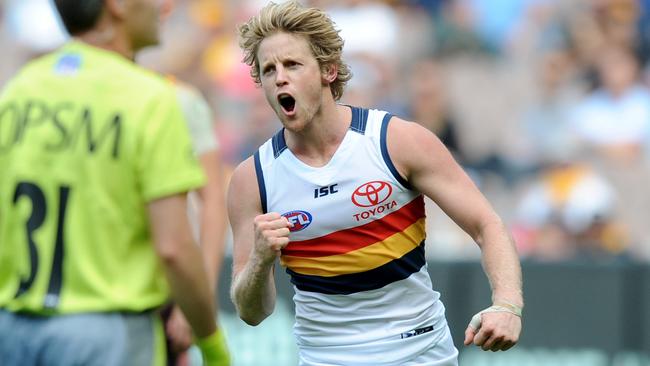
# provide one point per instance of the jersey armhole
(260, 181)
(386, 156)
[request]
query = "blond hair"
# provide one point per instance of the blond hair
(314, 24)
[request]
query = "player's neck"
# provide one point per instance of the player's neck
(318, 143)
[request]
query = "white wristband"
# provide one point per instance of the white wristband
(475, 323)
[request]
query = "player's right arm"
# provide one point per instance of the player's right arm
(258, 239)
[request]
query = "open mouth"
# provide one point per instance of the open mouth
(287, 102)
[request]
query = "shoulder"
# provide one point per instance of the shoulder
(243, 190)
(408, 142)
(151, 94)
(244, 177)
(149, 82)
(142, 86)
(118, 73)
(406, 133)
(116, 69)
(390, 124)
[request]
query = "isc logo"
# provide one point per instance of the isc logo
(299, 219)
(324, 191)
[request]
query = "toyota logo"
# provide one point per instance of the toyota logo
(372, 193)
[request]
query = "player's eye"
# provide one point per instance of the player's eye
(267, 70)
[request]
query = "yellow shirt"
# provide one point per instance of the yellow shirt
(87, 139)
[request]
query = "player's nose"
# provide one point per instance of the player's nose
(281, 76)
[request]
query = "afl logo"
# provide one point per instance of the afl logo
(372, 193)
(299, 219)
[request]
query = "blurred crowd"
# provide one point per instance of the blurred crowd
(546, 103)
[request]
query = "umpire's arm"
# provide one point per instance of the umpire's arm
(182, 262)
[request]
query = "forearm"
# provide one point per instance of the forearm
(190, 289)
(501, 264)
(253, 292)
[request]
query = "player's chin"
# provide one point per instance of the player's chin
(294, 126)
(292, 123)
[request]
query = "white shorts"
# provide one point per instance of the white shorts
(441, 353)
(444, 353)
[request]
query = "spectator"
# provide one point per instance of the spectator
(614, 120)
(429, 104)
(546, 135)
(569, 213)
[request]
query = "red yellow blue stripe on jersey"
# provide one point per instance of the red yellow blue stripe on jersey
(361, 258)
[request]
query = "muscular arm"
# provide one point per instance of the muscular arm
(440, 178)
(182, 262)
(257, 241)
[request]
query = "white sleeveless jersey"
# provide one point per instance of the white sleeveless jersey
(356, 252)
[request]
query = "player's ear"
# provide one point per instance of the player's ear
(116, 8)
(329, 72)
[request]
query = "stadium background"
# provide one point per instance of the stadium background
(544, 102)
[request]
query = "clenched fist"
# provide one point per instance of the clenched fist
(271, 235)
(496, 328)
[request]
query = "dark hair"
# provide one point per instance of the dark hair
(79, 16)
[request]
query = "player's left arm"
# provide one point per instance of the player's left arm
(421, 158)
